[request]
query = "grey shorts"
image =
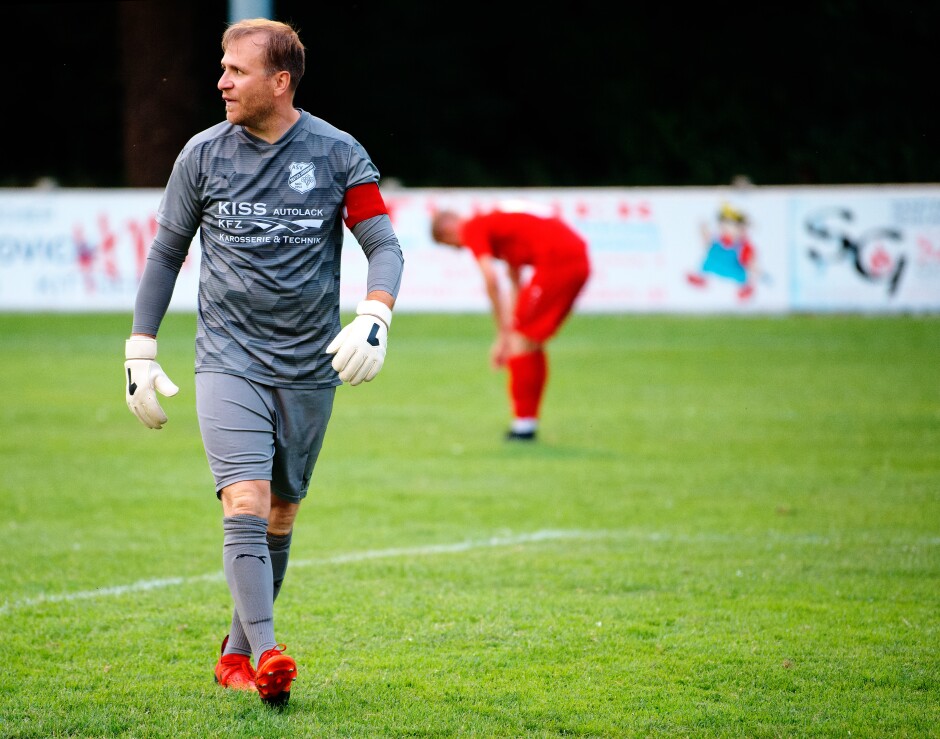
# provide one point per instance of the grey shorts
(252, 431)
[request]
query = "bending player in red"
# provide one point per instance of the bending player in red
(538, 302)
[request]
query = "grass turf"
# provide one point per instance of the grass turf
(729, 527)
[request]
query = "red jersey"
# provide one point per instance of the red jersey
(524, 239)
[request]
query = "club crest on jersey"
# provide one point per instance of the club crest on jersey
(301, 176)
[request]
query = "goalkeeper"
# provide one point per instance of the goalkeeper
(268, 192)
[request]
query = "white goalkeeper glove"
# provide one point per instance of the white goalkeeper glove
(359, 349)
(144, 376)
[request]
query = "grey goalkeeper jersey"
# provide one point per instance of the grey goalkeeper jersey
(270, 219)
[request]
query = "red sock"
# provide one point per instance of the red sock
(528, 374)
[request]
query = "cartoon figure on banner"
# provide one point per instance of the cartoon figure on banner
(729, 253)
(875, 255)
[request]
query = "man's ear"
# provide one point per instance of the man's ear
(281, 82)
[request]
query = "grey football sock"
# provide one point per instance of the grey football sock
(247, 565)
(279, 547)
(237, 641)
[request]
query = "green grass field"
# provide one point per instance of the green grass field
(729, 528)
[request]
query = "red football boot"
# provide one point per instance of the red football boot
(274, 676)
(234, 671)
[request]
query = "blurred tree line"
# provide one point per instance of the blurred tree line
(105, 94)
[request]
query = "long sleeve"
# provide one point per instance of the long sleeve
(164, 261)
(380, 245)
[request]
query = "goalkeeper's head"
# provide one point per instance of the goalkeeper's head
(445, 228)
(282, 49)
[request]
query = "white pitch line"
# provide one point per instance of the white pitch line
(168, 582)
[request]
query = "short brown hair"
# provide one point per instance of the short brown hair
(283, 50)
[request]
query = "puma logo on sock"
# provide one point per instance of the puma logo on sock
(256, 556)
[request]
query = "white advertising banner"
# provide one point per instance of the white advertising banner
(876, 249)
(81, 250)
(683, 250)
(648, 248)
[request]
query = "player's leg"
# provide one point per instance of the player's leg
(254, 591)
(236, 421)
(302, 417)
(246, 560)
(542, 306)
(528, 373)
(279, 548)
(301, 421)
(280, 526)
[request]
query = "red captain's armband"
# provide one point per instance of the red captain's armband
(362, 202)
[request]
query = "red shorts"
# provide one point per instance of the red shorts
(546, 300)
